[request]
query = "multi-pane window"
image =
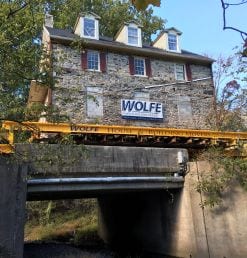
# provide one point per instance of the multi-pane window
(179, 72)
(89, 27)
(139, 64)
(172, 42)
(93, 60)
(132, 36)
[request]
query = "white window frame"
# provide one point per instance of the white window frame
(96, 28)
(133, 36)
(176, 72)
(144, 66)
(169, 42)
(96, 53)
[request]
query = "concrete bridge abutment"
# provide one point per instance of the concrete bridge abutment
(13, 188)
(172, 222)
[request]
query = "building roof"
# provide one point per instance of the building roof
(65, 37)
(174, 29)
(83, 14)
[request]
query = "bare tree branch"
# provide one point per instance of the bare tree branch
(13, 12)
(224, 8)
(240, 3)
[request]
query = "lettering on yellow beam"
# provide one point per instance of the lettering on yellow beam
(119, 131)
(78, 128)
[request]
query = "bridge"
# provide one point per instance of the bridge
(119, 177)
(145, 195)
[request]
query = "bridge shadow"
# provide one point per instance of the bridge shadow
(140, 222)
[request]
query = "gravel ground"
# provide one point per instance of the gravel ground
(57, 250)
(62, 250)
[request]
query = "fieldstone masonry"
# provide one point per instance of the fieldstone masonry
(185, 105)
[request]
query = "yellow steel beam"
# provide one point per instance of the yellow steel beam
(120, 130)
(6, 148)
(231, 138)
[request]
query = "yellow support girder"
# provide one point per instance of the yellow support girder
(6, 149)
(120, 129)
(66, 128)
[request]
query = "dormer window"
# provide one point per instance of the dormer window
(132, 36)
(172, 42)
(87, 25)
(89, 28)
(169, 40)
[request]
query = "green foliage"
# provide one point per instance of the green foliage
(143, 4)
(113, 14)
(67, 220)
(51, 113)
(20, 27)
(225, 170)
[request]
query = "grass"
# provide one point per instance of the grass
(67, 221)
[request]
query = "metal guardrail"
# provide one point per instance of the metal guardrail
(37, 128)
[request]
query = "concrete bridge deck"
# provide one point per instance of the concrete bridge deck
(101, 169)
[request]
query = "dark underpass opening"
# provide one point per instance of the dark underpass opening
(113, 225)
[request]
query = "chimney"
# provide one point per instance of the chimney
(49, 20)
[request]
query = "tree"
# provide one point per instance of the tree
(230, 102)
(112, 13)
(230, 109)
(20, 50)
(226, 6)
(143, 4)
(20, 24)
(225, 172)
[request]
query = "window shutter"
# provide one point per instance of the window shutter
(148, 67)
(103, 62)
(131, 65)
(84, 60)
(188, 72)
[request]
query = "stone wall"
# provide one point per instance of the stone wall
(185, 105)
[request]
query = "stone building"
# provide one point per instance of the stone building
(123, 81)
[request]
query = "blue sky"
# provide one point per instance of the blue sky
(202, 25)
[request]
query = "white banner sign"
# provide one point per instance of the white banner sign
(141, 110)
